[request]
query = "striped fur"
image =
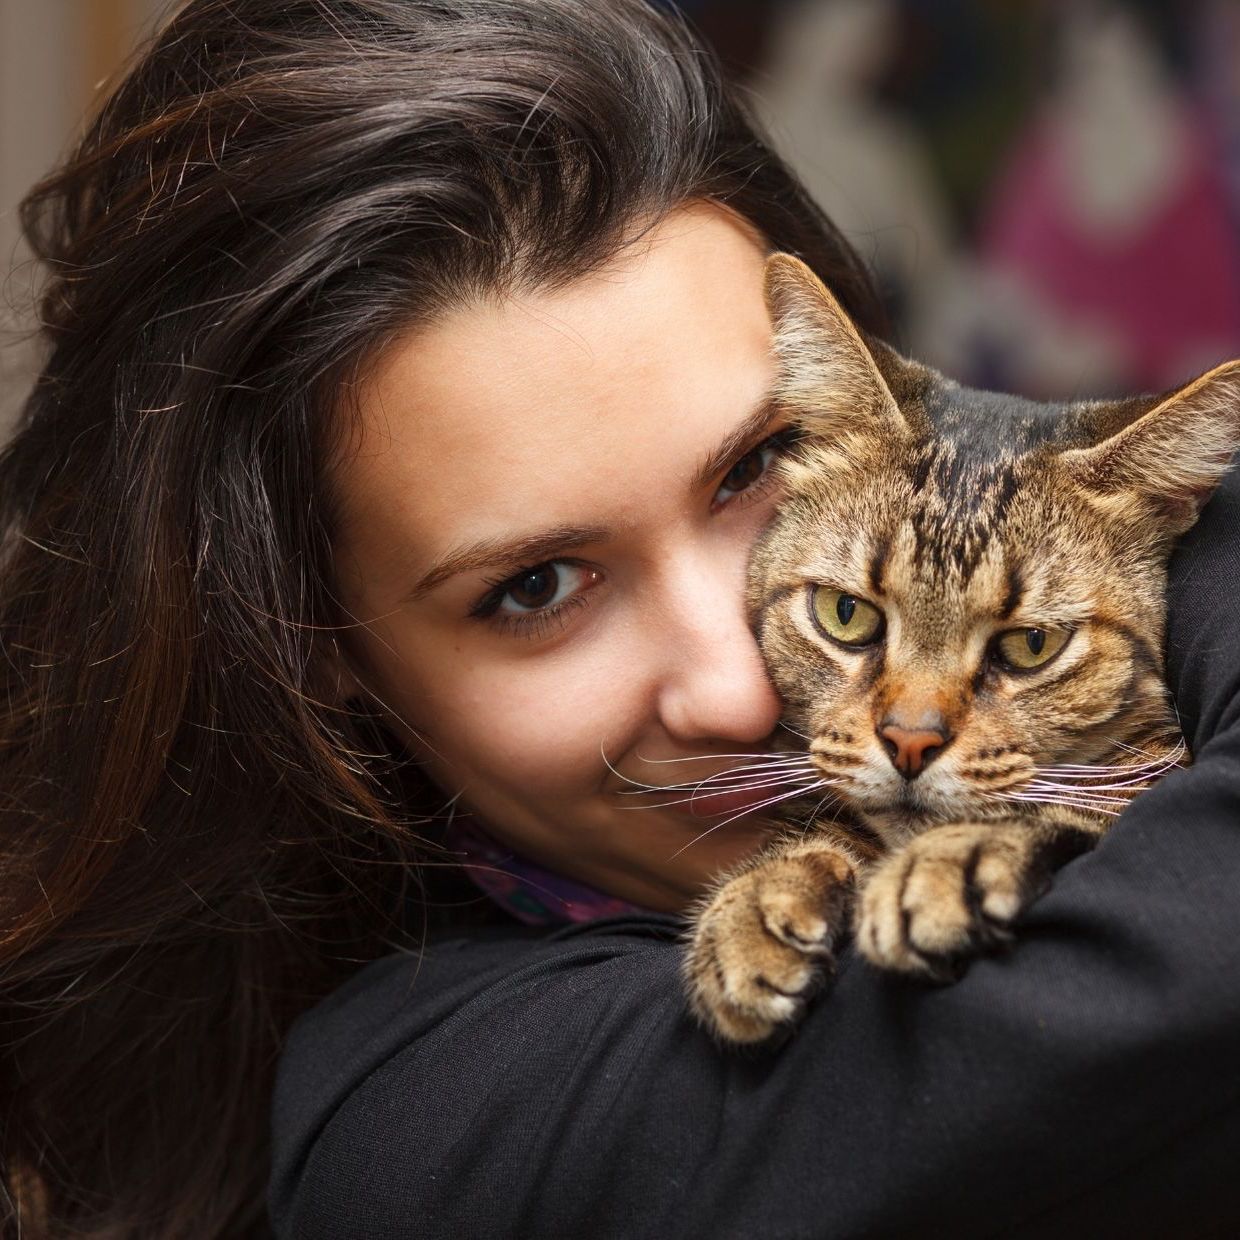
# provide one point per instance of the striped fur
(961, 515)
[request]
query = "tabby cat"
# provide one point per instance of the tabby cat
(961, 602)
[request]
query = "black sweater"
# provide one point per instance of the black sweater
(516, 1083)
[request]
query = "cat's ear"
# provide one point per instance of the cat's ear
(827, 379)
(1166, 462)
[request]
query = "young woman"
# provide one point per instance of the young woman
(399, 447)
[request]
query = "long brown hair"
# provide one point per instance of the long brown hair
(196, 845)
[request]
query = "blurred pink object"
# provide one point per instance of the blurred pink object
(1114, 211)
(1167, 285)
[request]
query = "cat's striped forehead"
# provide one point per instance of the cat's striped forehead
(959, 505)
(951, 529)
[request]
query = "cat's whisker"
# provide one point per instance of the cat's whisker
(1166, 759)
(698, 795)
(1066, 801)
(1179, 751)
(1091, 793)
(1132, 748)
(693, 792)
(749, 774)
(1123, 780)
(1155, 765)
(1134, 769)
(738, 775)
(812, 816)
(603, 752)
(1107, 813)
(754, 764)
(702, 757)
(644, 787)
(702, 794)
(1100, 772)
(1131, 787)
(747, 770)
(1094, 785)
(1067, 790)
(1118, 803)
(748, 810)
(800, 760)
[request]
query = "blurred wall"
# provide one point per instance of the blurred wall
(54, 56)
(1048, 191)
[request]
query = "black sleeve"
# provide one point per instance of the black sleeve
(1086, 1084)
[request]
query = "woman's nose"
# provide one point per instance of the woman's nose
(715, 685)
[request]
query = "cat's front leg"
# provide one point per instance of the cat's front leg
(952, 892)
(766, 937)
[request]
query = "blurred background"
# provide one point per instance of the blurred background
(54, 57)
(1048, 191)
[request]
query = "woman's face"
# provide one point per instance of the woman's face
(545, 527)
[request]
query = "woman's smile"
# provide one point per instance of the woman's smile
(545, 524)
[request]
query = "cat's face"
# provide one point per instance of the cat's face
(939, 643)
(961, 587)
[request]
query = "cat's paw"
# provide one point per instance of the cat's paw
(765, 940)
(945, 897)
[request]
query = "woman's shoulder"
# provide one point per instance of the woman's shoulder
(448, 1013)
(517, 1083)
(409, 994)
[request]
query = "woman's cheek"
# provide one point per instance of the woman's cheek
(534, 722)
(559, 716)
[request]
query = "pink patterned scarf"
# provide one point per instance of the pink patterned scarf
(527, 890)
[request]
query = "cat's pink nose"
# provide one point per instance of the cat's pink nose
(911, 749)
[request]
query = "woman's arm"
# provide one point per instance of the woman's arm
(1087, 1080)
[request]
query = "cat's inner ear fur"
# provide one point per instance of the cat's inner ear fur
(827, 380)
(1166, 462)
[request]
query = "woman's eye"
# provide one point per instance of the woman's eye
(536, 589)
(536, 593)
(541, 587)
(752, 468)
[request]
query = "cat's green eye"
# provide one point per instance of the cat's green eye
(845, 617)
(1027, 648)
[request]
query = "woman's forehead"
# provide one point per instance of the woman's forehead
(548, 397)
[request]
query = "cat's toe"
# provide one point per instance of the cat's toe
(763, 945)
(948, 896)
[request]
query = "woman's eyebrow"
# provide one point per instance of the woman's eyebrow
(490, 552)
(540, 546)
(740, 438)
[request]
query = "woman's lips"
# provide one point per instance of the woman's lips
(713, 804)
